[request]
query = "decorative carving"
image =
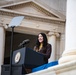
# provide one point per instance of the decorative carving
(53, 33)
(42, 19)
(2, 24)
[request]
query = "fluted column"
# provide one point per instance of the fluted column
(62, 44)
(69, 53)
(2, 42)
(52, 41)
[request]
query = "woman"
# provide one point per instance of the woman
(42, 46)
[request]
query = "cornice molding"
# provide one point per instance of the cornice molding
(55, 12)
(28, 16)
(14, 4)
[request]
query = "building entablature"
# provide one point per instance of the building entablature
(37, 17)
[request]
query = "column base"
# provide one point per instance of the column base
(68, 56)
(67, 59)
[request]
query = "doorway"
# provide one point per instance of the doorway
(18, 38)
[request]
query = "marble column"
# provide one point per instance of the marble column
(2, 45)
(52, 41)
(69, 53)
(62, 44)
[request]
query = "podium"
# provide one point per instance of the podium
(23, 58)
(27, 57)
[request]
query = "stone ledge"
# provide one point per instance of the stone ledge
(62, 69)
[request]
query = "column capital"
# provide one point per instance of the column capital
(2, 24)
(54, 33)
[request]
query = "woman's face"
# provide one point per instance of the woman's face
(40, 38)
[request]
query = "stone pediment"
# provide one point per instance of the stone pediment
(33, 8)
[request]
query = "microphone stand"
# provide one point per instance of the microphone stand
(11, 51)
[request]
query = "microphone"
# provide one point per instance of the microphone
(24, 42)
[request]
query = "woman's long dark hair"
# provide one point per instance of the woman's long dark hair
(44, 40)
